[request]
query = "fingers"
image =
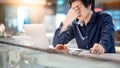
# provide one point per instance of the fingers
(72, 14)
(101, 51)
(75, 11)
(93, 50)
(61, 47)
(97, 49)
(76, 7)
(65, 47)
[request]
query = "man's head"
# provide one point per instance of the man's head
(84, 6)
(86, 3)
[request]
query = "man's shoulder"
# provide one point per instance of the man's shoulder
(103, 14)
(105, 18)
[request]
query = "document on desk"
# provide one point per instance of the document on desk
(87, 54)
(77, 51)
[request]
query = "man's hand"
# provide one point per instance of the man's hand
(72, 14)
(97, 49)
(61, 47)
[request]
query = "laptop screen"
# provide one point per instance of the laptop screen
(37, 32)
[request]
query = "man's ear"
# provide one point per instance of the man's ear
(89, 6)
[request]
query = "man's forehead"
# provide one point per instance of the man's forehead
(78, 3)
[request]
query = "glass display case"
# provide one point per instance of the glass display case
(14, 55)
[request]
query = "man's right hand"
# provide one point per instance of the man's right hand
(72, 14)
(61, 47)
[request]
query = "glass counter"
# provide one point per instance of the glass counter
(14, 55)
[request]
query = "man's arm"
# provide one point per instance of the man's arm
(65, 33)
(107, 33)
(63, 37)
(107, 37)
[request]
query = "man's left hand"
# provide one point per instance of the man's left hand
(97, 49)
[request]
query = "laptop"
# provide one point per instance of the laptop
(38, 35)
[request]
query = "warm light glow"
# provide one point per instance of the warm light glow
(31, 2)
(98, 9)
(20, 18)
(42, 2)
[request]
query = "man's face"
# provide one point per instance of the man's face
(83, 11)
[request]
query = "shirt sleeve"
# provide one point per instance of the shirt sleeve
(63, 37)
(107, 32)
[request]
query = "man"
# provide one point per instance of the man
(2, 30)
(92, 30)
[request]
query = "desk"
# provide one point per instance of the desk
(27, 57)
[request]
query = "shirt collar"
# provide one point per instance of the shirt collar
(92, 20)
(78, 22)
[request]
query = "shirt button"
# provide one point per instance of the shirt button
(86, 37)
(68, 32)
(87, 47)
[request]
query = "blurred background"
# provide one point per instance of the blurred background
(15, 13)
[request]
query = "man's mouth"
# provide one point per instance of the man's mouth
(79, 15)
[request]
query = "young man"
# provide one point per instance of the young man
(92, 30)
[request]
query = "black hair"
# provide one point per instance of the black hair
(86, 3)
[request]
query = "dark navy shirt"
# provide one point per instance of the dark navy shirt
(100, 29)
